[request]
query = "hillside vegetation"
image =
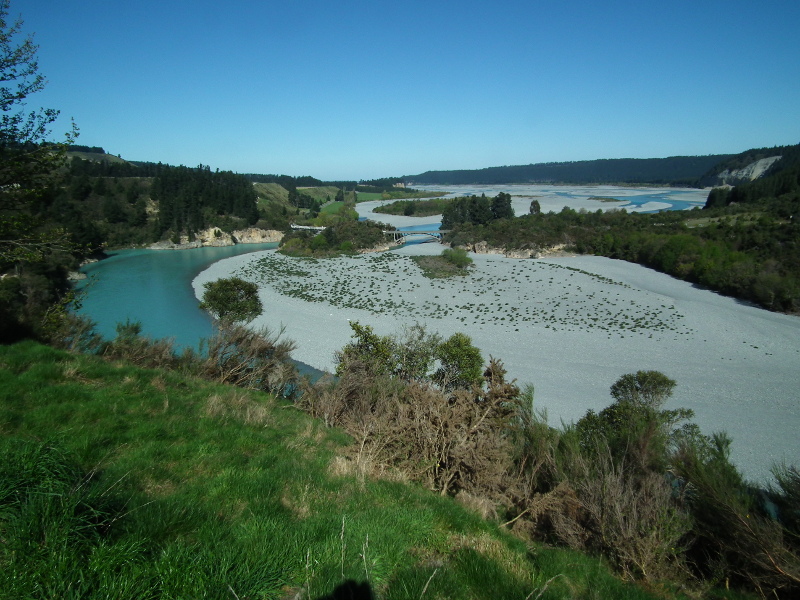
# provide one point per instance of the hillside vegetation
(123, 482)
(128, 470)
(745, 243)
(420, 471)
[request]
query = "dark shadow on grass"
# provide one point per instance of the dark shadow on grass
(350, 590)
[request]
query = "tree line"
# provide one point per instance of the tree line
(477, 210)
(189, 198)
(675, 170)
(418, 208)
(748, 248)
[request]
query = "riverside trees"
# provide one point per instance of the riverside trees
(477, 210)
(749, 251)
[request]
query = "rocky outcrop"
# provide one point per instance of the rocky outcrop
(253, 235)
(214, 236)
(380, 247)
(557, 250)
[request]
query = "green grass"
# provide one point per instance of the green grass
(332, 208)
(321, 193)
(121, 482)
(747, 218)
(416, 208)
(397, 194)
(271, 192)
(369, 196)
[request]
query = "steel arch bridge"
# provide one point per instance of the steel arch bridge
(434, 234)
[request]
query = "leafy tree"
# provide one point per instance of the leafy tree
(478, 210)
(27, 159)
(232, 299)
(409, 357)
(535, 208)
(461, 363)
(648, 389)
(635, 428)
(33, 253)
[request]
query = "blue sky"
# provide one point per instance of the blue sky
(359, 90)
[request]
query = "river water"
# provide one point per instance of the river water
(154, 288)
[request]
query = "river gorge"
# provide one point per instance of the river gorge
(569, 326)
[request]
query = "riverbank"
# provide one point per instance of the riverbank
(214, 237)
(568, 326)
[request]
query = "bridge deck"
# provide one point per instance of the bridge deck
(436, 234)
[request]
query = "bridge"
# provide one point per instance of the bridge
(400, 236)
(308, 227)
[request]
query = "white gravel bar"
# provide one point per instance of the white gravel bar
(568, 326)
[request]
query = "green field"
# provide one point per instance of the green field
(398, 194)
(332, 208)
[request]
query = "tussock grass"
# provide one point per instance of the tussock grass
(123, 482)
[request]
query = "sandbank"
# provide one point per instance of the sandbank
(568, 326)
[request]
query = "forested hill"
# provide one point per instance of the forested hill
(778, 185)
(740, 167)
(675, 170)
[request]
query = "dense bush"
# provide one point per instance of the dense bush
(339, 238)
(416, 208)
(457, 257)
(231, 299)
(637, 483)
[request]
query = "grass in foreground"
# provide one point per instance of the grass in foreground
(121, 482)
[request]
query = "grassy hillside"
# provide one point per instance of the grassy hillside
(271, 192)
(322, 193)
(123, 482)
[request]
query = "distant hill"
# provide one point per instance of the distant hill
(759, 175)
(675, 170)
(93, 153)
(749, 165)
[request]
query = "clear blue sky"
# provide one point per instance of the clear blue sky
(359, 90)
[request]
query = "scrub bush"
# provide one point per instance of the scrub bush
(258, 360)
(232, 299)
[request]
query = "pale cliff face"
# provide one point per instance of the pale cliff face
(216, 237)
(752, 171)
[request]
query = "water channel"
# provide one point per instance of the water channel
(154, 288)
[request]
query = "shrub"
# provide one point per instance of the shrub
(457, 257)
(461, 363)
(231, 299)
(441, 427)
(738, 534)
(634, 428)
(129, 345)
(257, 360)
